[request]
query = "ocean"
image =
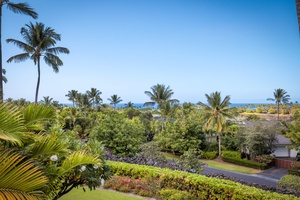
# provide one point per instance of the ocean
(249, 106)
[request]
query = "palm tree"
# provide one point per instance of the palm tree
(280, 96)
(72, 96)
(19, 177)
(129, 104)
(94, 94)
(114, 100)
(20, 8)
(47, 100)
(216, 113)
(160, 93)
(40, 42)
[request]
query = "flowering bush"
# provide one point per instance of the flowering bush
(144, 187)
(54, 158)
(267, 159)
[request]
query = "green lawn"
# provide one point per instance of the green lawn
(171, 156)
(230, 167)
(99, 194)
(220, 165)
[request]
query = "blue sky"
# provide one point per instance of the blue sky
(244, 49)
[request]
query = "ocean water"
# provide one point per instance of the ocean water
(249, 106)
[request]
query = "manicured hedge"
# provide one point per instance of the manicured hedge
(209, 155)
(171, 194)
(199, 186)
(234, 157)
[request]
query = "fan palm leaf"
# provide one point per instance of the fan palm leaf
(20, 178)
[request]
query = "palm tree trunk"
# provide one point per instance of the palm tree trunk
(1, 80)
(38, 83)
(277, 111)
(220, 151)
(298, 12)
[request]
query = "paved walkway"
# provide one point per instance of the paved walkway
(267, 177)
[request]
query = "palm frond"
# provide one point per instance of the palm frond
(34, 115)
(11, 124)
(20, 177)
(76, 159)
(53, 61)
(48, 145)
(57, 50)
(22, 8)
(19, 58)
(25, 47)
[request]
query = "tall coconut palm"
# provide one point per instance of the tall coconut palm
(160, 93)
(216, 113)
(94, 94)
(40, 42)
(280, 96)
(114, 100)
(72, 96)
(20, 8)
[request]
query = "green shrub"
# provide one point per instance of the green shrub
(232, 154)
(253, 117)
(190, 159)
(290, 183)
(258, 110)
(209, 155)
(171, 194)
(235, 158)
(211, 146)
(285, 112)
(272, 111)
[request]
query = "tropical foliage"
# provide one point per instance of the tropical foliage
(58, 156)
(122, 136)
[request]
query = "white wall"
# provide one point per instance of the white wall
(293, 153)
(281, 152)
